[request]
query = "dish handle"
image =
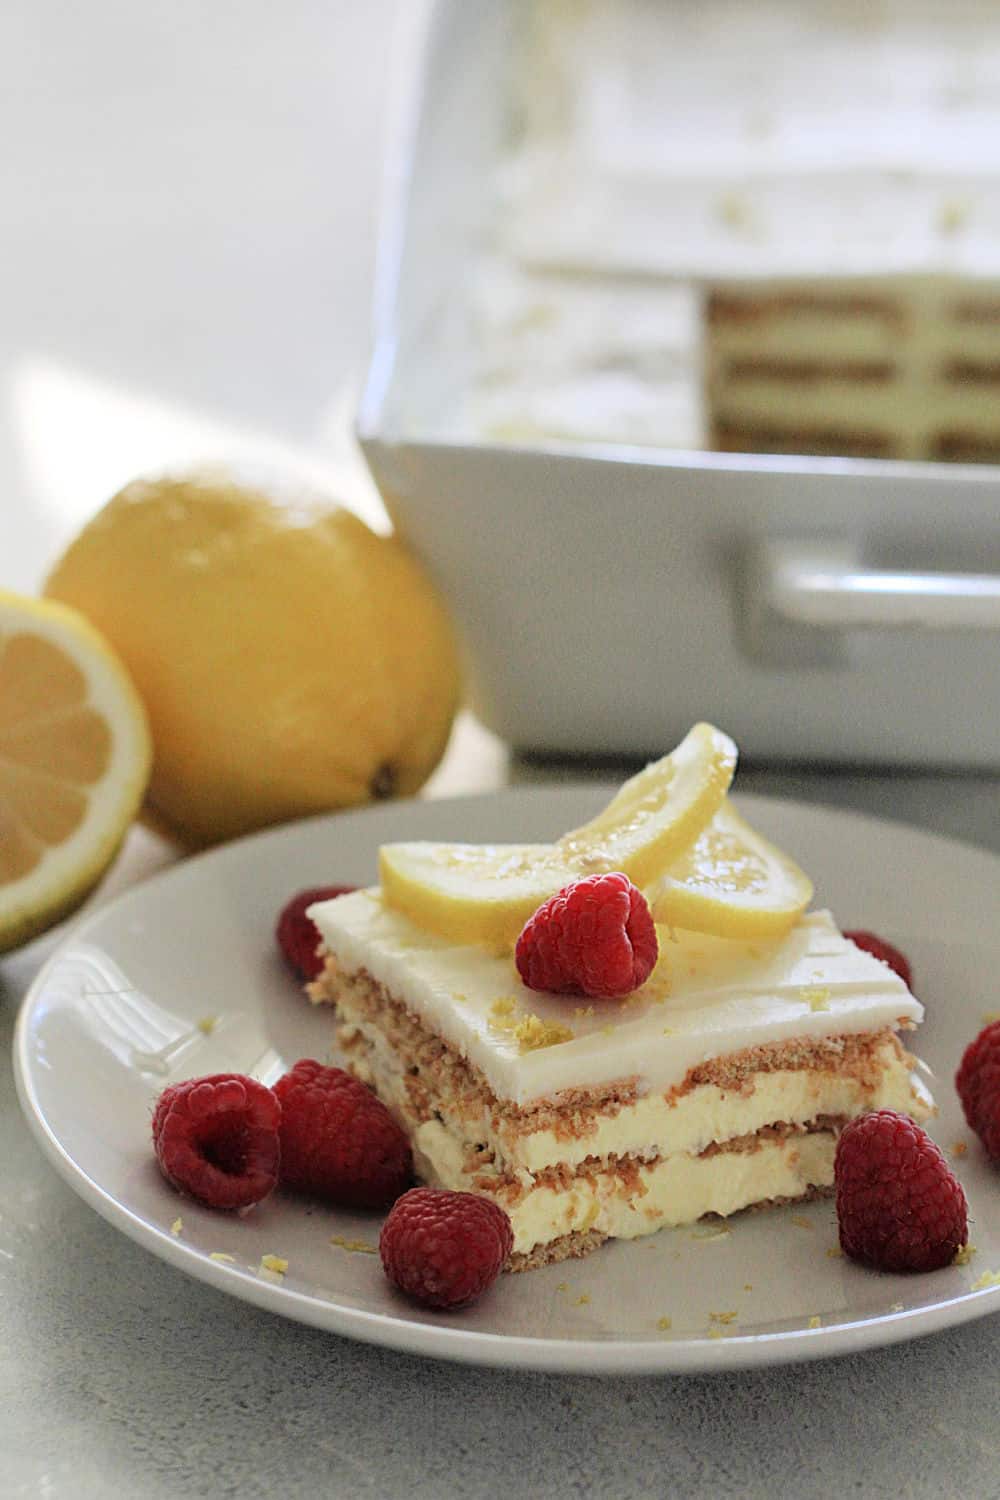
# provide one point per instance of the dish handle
(803, 594)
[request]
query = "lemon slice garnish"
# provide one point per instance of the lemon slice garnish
(484, 893)
(74, 762)
(731, 882)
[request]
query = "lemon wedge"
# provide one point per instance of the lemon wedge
(484, 893)
(732, 883)
(75, 756)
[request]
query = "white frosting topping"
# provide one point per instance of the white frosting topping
(706, 998)
(790, 137)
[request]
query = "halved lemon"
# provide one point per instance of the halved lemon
(75, 756)
(732, 882)
(484, 893)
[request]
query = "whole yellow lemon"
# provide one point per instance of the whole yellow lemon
(290, 660)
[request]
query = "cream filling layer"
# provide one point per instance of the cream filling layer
(675, 1190)
(651, 1126)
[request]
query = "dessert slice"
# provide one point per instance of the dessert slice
(720, 1084)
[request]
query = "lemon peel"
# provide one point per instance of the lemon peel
(484, 893)
(732, 883)
(291, 661)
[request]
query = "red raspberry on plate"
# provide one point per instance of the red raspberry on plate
(879, 948)
(216, 1139)
(297, 935)
(899, 1205)
(596, 937)
(978, 1085)
(442, 1248)
(338, 1140)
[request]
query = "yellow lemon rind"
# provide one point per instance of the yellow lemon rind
(484, 894)
(291, 660)
(684, 897)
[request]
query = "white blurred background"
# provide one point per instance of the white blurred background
(188, 203)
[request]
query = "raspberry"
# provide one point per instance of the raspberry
(596, 937)
(297, 936)
(978, 1085)
(442, 1248)
(879, 948)
(216, 1138)
(899, 1205)
(338, 1140)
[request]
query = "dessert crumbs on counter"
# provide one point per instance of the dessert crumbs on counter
(583, 1300)
(958, 1148)
(207, 1024)
(710, 1232)
(715, 1333)
(748, 1286)
(802, 1223)
(724, 1317)
(989, 1016)
(664, 1324)
(583, 1011)
(834, 1253)
(223, 1257)
(356, 1247)
(815, 1322)
(276, 1264)
(988, 1278)
(176, 1227)
(953, 215)
(963, 1255)
(896, 1307)
(562, 1286)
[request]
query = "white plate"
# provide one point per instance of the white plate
(114, 1016)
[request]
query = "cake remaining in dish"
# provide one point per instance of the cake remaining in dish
(719, 1085)
(695, 246)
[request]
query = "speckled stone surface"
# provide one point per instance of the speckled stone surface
(120, 1377)
(188, 222)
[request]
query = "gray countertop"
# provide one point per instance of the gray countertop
(119, 1376)
(188, 224)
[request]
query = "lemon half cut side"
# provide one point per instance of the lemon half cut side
(75, 756)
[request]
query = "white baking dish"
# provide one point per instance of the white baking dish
(821, 609)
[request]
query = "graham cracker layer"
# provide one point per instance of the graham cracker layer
(462, 1133)
(435, 1071)
(509, 1187)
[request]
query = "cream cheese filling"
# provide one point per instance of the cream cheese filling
(674, 1190)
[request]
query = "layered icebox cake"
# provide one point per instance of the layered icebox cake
(720, 1084)
(770, 227)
